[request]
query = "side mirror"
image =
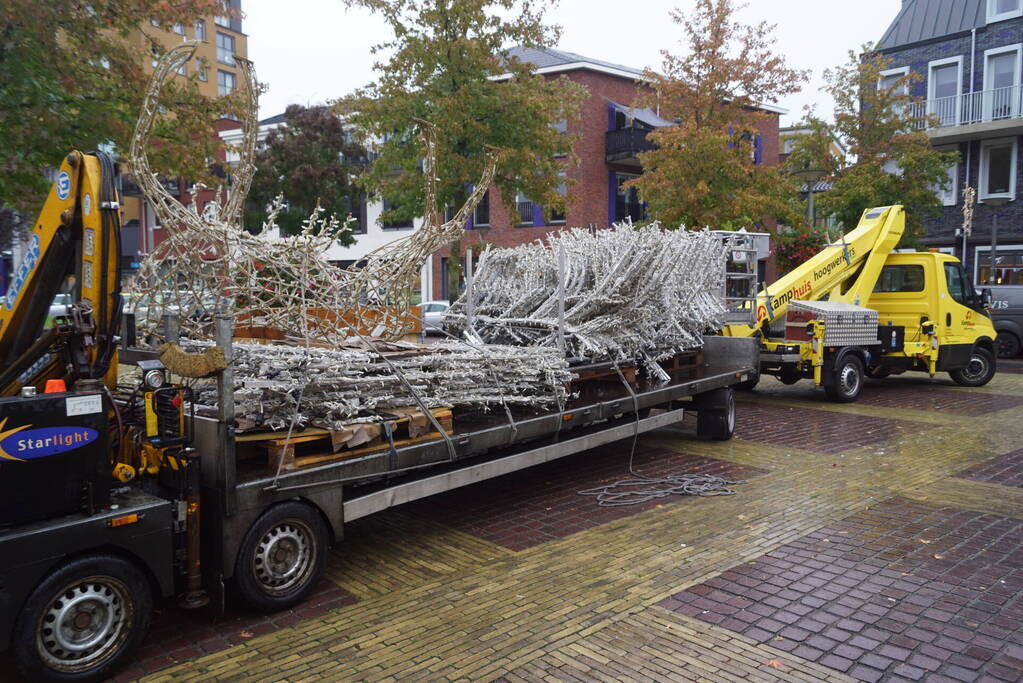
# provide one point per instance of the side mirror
(986, 298)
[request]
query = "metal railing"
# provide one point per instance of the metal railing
(525, 212)
(626, 143)
(976, 107)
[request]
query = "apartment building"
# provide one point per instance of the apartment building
(968, 55)
(221, 40)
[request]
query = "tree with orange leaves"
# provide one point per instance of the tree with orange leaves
(703, 171)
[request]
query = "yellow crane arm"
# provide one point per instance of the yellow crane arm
(846, 270)
(76, 242)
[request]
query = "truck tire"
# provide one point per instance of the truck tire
(978, 371)
(717, 420)
(84, 621)
(848, 380)
(1007, 344)
(281, 557)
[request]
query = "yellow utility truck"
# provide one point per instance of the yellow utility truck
(858, 309)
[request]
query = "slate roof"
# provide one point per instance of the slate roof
(543, 57)
(273, 119)
(921, 20)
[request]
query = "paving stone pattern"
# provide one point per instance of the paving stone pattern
(921, 397)
(900, 591)
(542, 503)
(815, 430)
(1006, 470)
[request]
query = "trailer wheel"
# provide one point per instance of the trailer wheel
(281, 557)
(978, 371)
(84, 621)
(848, 380)
(716, 420)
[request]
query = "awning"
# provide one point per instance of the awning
(645, 115)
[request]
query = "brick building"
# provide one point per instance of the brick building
(221, 40)
(611, 130)
(968, 53)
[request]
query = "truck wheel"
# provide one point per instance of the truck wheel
(978, 371)
(1008, 344)
(281, 557)
(717, 422)
(848, 380)
(84, 621)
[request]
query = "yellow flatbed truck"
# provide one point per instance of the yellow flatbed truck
(819, 320)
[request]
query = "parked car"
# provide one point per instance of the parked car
(1007, 314)
(61, 305)
(432, 313)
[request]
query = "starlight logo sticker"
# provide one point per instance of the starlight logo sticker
(22, 443)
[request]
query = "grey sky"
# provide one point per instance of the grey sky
(310, 51)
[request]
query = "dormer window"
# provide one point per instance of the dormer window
(1000, 10)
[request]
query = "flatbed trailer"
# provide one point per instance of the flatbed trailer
(269, 531)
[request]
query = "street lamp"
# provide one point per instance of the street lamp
(995, 203)
(810, 176)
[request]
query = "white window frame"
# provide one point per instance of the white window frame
(977, 250)
(985, 146)
(931, 108)
(952, 198)
(200, 30)
(899, 71)
(988, 96)
(993, 15)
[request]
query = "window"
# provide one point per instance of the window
(561, 125)
(225, 82)
(183, 69)
(1001, 82)
(395, 224)
(788, 145)
(200, 69)
(200, 30)
(179, 29)
(900, 279)
(958, 288)
(948, 193)
(1000, 10)
(998, 168)
(154, 22)
(944, 84)
(225, 49)
(524, 206)
(559, 216)
(222, 21)
(481, 214)
(1008, 269)
(627, 204)
(890, 77)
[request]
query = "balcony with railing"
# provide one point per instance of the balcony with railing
(960, 117)
(525, 211)
(623, 146)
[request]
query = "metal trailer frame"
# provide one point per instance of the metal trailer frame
(349, 489)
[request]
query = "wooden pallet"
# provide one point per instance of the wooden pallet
(314, 446)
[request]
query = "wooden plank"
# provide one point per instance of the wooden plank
(309, 460)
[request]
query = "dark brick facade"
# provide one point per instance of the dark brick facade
(589, 190)
(941, 230)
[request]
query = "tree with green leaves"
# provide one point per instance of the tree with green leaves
(72, 77)
(703, 171)
(890, 159)
(312, 160)
(447, 65)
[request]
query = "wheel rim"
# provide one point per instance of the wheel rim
(731, 414)
(85, 624)
(285, 557)
(976, 368)
(849, 380)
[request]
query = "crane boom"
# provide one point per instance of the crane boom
(842, 271)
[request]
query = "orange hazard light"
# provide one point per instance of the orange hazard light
(55, 386)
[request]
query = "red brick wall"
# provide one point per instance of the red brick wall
(588, 177)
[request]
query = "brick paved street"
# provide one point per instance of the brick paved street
(879, 540)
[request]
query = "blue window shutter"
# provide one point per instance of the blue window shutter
(612, 193)
(537, 214)
(758, 149)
